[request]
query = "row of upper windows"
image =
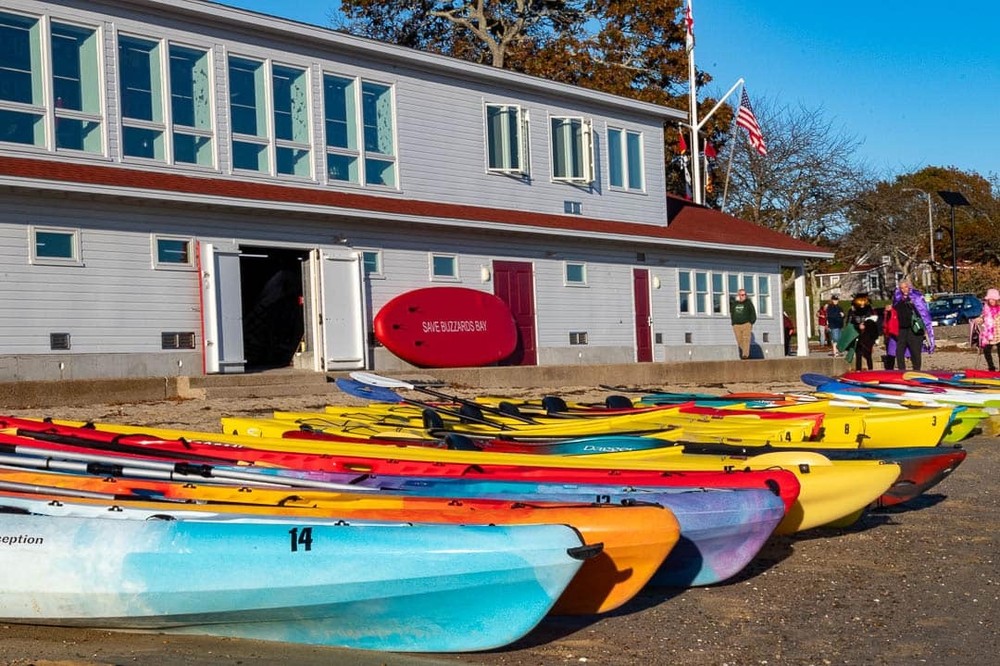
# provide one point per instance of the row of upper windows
(51, 97)
(572, 145)
(709, 292)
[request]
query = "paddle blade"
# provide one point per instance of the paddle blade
(816, 379)
(366, 392)
(371, 379)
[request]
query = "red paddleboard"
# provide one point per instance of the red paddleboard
(447, 327)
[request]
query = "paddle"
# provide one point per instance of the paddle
(371, 379)
(384, 394)
(93, 463)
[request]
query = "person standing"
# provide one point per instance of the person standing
(862, 317)
(890, 327)
(789, 331)
(915, 330)
(835, 320)
(821, 325)
(989, 328)
(743, 316)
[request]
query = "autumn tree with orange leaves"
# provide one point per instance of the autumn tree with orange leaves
(631, 48)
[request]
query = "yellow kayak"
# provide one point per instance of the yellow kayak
(829, 490)
(873, 426)
(663, 424)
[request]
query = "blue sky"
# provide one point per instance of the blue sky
(918, 82)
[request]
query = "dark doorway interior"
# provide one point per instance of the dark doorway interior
(271, 286)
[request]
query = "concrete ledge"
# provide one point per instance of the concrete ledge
(38, 394)
(31, 394)
(785, 370)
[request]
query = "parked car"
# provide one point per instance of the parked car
(954, 309)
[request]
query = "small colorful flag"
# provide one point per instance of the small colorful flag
(682, 146)
(710, 151)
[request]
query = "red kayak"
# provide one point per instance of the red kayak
(56, 438)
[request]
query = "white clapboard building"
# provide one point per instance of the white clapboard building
(187, 188)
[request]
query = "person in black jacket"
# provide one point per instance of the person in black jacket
(862, 317)
(835, 322)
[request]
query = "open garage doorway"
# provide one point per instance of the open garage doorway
(273, 318)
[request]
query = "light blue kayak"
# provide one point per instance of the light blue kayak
(721, 529)
(368, 585)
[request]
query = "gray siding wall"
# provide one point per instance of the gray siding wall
(440, 122)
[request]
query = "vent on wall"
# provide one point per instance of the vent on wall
(766, 336)
(578, 338)
(659, 338)
(59, 341)
(176, 340)
(688, 338)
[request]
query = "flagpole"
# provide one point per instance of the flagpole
(729, 167)
(695, 162)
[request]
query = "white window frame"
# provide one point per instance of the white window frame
(683, 310)
(377, 274)
(583, 273)
(702, 297)
(520, 143)
(100, 116)
(40, 83)
(171, 265)
(586, 147)
(435, 277)
(368, 155)
(763, 301)
(173, 128)
(154, 125)
(354, 122)
(295, 144)
(77, 255)
(620, 148)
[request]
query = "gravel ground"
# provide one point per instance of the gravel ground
(916, 584)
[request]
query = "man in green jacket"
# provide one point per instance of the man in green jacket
(743, 316)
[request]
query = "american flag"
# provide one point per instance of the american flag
(748, 121)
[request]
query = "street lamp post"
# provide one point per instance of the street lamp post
(953, 199)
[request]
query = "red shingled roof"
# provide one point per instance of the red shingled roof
(691, 223)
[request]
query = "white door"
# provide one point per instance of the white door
(337, 307)
(222, 309)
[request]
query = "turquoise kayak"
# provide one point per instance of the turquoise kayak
(367, 585)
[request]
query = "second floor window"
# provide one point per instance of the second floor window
(625, 160)
(380, 152)
(572, 150)
(76, 88)
(506, 139)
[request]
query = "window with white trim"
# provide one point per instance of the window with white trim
(193, 138)
(372, 262)
(68, 64)
(341, 120)
(763, 295)
(506, 139)
(576, 274)
(379, 133)
(22, 106)
(54, 246)
(142, 100)
(270, 127)
(718, 294)
(684, 292)
(248, 115)
(625, 160)
(290, 97)
(76, 88)
(572, 150)
(444, 267)
(701, 292)
(172, 252)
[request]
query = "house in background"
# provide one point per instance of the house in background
(188, 188)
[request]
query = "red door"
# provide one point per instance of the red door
(514, 284)
(643, 333)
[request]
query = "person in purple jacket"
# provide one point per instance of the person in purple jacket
(915, 331)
